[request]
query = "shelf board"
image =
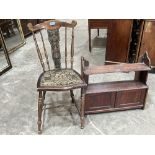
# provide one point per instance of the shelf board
(116, 68)
(95, 88)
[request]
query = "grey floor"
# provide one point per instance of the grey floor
(18, 97)
(3, 60)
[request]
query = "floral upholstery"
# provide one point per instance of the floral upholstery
(60, 78)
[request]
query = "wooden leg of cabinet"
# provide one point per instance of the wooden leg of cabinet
(82, 116)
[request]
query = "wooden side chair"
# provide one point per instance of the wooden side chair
(57, 79)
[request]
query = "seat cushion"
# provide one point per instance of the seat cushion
(60, 78)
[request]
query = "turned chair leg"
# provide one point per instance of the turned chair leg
(82, 111)
(72, 96)
(40, 108)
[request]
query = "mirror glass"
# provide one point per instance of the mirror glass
(12, 33)
(3, 59)
(5, 63)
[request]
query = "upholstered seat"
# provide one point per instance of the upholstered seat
(60, 78)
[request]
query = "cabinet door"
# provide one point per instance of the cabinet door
(118, 40)
(148, 40)
(130, 98)
(97, 102)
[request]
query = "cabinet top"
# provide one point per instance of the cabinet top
(116, 68)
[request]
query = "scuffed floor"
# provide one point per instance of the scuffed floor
(18, 97)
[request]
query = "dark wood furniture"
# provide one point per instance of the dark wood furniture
(7, 27)
(118, 37)
(117, 95)
(58, 79)
(126, 39)
(24, 23)
(136, 34)
(147, 41)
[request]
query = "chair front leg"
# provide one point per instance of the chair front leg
(40, 109)
(82, 109)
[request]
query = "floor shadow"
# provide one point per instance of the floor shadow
(99, 42)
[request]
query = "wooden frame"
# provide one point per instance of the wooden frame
(6, 55)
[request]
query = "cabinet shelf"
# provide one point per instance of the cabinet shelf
(116, 95)
(116, 68)
(114, 86)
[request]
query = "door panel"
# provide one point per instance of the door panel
(130, 98)
(118, 40)
(99, 101)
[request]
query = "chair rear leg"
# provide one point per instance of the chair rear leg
(40, 109)
(89, 32)
(72, 96)
(44, 93)
(98, 32)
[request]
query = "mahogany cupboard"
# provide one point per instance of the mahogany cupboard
(24, 23)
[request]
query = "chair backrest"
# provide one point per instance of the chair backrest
(52, 27)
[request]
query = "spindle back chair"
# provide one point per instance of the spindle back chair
(57, 79)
